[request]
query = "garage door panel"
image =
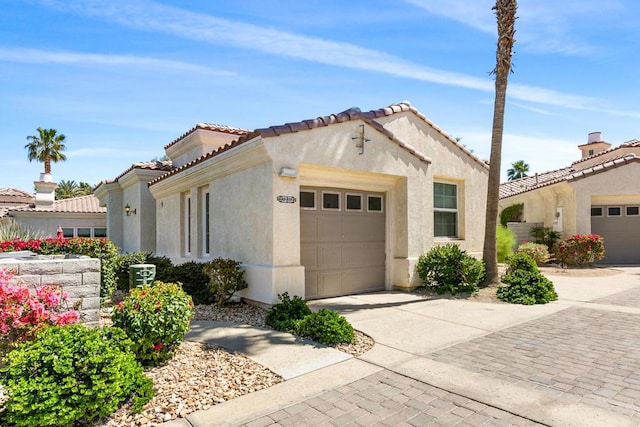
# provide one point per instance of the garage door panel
(343, 252)
(621, 236)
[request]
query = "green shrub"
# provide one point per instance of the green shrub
(537, 251)
(123, 262)
(164, 268)
(155, 318)
(546, 236)
(284, 315)
(580, 250)
(194, 281)
(325, 326)
(71, 374)
(513, 213)
(447, 268)
(11, 229)
(526, 287)
(521, 261)
(505, 240)
(226, 278)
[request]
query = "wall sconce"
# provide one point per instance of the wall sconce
(128, 210)
(360, 139)
(288, 173)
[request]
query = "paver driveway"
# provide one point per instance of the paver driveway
(450, 362)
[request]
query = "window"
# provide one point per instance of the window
(374, 203)
(99, 232)
(354, 202)
(596, 211)
(84, 232)
(331, 201)
(591, 152)
(614, 211)
(445, 215)
(308, 200)
(206, 225)
(186, 224)
(68, 232)
(633, 210)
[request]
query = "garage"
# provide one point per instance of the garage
(342, 241)
(620, 228)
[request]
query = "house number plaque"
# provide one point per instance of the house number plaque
(286, 199)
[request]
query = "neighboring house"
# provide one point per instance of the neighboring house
(337, 205)
(598, 194)
(78, 217)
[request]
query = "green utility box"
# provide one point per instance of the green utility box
(141, 274)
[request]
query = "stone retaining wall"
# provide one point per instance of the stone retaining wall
(79, 277)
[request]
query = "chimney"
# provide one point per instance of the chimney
(594, 145)
(45, 192)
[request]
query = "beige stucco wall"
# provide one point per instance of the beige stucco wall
(48, 222)
(249, 224)
(110, 195)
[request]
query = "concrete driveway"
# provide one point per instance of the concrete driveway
(575, 361)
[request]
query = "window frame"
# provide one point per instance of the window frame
(206, 223)
(375, 196)
(315, 200)
(601, 211)
(626, 210)
(609, 215)
(335, 193)
(455, 211)
(346, 202)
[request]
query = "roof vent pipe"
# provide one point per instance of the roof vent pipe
(594, 137)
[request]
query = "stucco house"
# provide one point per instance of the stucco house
(599, 194)
(78, 216)
(341, 204)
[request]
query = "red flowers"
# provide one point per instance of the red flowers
(157, 347)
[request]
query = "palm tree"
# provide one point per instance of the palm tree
(66, 189)
(46, 147)
(505, 11)
(85, 189)
(517, 170)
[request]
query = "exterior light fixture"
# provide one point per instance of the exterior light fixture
(288, 173)
(128, 211)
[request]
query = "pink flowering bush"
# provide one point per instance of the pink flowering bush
(580, 250)
(23, 314)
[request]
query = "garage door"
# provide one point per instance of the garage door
(620, 228)
(342, 241)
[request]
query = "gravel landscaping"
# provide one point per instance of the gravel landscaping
(200, 376)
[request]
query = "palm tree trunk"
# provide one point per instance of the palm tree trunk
(506, 16)
(47, 164)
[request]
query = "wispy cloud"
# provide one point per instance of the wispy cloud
(543, 26)
(38, 56)
(150, 16)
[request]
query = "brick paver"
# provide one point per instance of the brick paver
(630, 298)
(583, 354)
(389, 399)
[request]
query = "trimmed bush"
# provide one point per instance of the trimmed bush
(226, 278)
(505, 240)
(194, 281)
(448, 268)
(525, 284)
(72, 374)
(513, 213)
(284, 315)
(156, 319)
(325, 326)
(580, 250)
(537, 251)
(546, 236)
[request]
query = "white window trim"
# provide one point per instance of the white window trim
(379, 196)
(337, 193)
(631, 206)
(206, 224)
(456, 211)
(614, 216)
(315, 200)
(346, 205)
(186, 224)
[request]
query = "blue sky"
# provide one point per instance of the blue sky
(123, 78)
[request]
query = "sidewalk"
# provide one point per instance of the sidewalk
(453, 361)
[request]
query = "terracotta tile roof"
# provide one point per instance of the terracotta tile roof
(609, 154)
(530, 183)
(82, 204)
(161, 165)
(14, 192)
(345, 116)
(213, 127)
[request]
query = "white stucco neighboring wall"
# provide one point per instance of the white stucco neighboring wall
(48, 222)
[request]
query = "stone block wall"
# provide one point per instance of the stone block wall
(522, 230)
(79, 277)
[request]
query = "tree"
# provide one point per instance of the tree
(517, 170)
(46, 147)
(68, 189)
(505, 11)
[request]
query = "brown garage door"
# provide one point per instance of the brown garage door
(620, 228)
(342, 241)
